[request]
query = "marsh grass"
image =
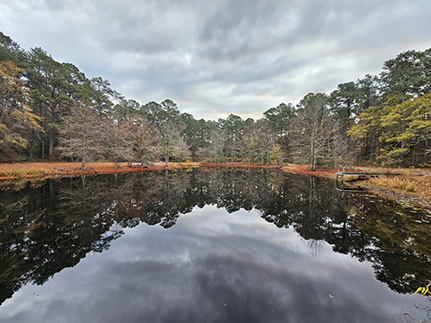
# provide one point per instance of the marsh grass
(23, 173)
(409, 184)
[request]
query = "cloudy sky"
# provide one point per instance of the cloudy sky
(219, 57)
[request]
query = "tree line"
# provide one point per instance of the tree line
(51, 110)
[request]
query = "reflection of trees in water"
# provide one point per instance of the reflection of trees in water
(231, 190)
(152, 199)
(48, 228)
(315, 247)
(52, 230)
(401, 248)
(382, 232)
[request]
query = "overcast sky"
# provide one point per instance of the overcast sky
(214, 58)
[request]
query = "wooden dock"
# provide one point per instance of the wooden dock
(365, 174)
(360, 176)
(343, 172)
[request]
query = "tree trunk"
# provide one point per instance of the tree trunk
(42, 149)
(83, 163)
(166, 159)
(313, 160)
(51, 143)
(312, 155)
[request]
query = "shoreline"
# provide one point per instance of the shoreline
(18, 174)
(384, 191)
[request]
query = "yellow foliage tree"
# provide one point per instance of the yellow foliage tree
(16, 118)
(403, 129)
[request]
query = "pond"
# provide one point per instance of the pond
(209, 245)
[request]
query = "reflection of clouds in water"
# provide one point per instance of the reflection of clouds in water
(210, 267)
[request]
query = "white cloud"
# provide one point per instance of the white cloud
(216, 58)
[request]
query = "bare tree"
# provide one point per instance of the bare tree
(79, 135)
(168, 136)
(314, 128)
(181, 150)
(142, 139)
(116, 141)
(214, 150)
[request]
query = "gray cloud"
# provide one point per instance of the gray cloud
(216, 58)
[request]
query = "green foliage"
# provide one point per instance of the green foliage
(406, 75)
(280, 119)
(195, 132)
(99, 94)
(343, 100)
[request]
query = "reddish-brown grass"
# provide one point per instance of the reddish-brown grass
(240, 165)
(305, 169)
(19, 170)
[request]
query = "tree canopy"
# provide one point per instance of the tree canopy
(53, 110)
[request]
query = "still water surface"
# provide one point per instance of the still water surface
(209, 246)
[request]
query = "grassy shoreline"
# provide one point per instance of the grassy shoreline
(414, 185)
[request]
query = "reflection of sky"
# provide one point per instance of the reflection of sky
(212, 267)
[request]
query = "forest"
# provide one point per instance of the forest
(52, 111)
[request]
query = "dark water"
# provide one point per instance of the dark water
(209, 246)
